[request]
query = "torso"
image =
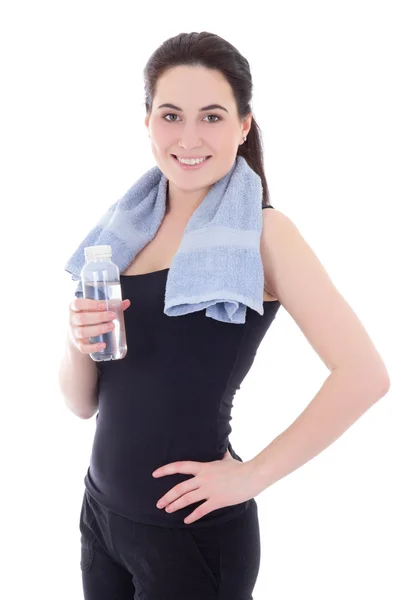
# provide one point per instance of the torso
(159, 253)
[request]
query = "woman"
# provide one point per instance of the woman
(169, 510)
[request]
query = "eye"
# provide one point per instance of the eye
(174, 115)
(169, 115)
(219, 118)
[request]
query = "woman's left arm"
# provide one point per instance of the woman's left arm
(343, 398)
(358, 376)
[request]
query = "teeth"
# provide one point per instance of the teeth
(191, 161)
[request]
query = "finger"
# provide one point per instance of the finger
(186, 467)
(126, 303)
(85, 318)
(184, 500)
(178, 491)
(200, 512)
(86, 304)
(86, 347)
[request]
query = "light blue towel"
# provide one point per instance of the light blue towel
(218, 263)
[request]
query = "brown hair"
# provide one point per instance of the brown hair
(213, 52)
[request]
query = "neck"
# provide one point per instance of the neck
(181, 204)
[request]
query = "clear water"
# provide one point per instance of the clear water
(115, 340)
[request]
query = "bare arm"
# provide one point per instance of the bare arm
(358, 376)
(342, 399)
(78, 380)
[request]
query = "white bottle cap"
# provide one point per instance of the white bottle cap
(93, 252)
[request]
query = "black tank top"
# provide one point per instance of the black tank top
(169, 399)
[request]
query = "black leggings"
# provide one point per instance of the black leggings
(125, 560)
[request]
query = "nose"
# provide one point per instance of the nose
(190, 138)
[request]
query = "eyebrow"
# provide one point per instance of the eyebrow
(209, 107)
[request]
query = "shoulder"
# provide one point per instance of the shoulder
(287, 257)
(289, 261)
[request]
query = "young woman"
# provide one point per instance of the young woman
(168, 403)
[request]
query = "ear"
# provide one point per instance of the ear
(247, 124)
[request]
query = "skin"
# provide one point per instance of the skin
(194, 133)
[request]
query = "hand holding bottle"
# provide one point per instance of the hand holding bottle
(87, 320)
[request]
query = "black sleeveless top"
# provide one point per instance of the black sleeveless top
(169, 399)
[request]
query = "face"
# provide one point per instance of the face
(187, 131)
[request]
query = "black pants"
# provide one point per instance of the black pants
(125, 560)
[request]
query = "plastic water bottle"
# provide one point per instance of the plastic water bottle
(101, 281)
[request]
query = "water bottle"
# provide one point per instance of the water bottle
(100, 281)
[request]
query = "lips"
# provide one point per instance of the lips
(188, 158)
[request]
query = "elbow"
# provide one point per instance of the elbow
(381, 379)
(86, 411)
(82, 415)
(82, 409)
(87, 415)
(384, 387)
(379, 383)
(372, 378)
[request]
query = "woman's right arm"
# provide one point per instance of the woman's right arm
(78, 380)
(78, 374)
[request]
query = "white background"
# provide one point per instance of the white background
(73, 140)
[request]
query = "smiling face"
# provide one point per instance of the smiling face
(194, 127)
